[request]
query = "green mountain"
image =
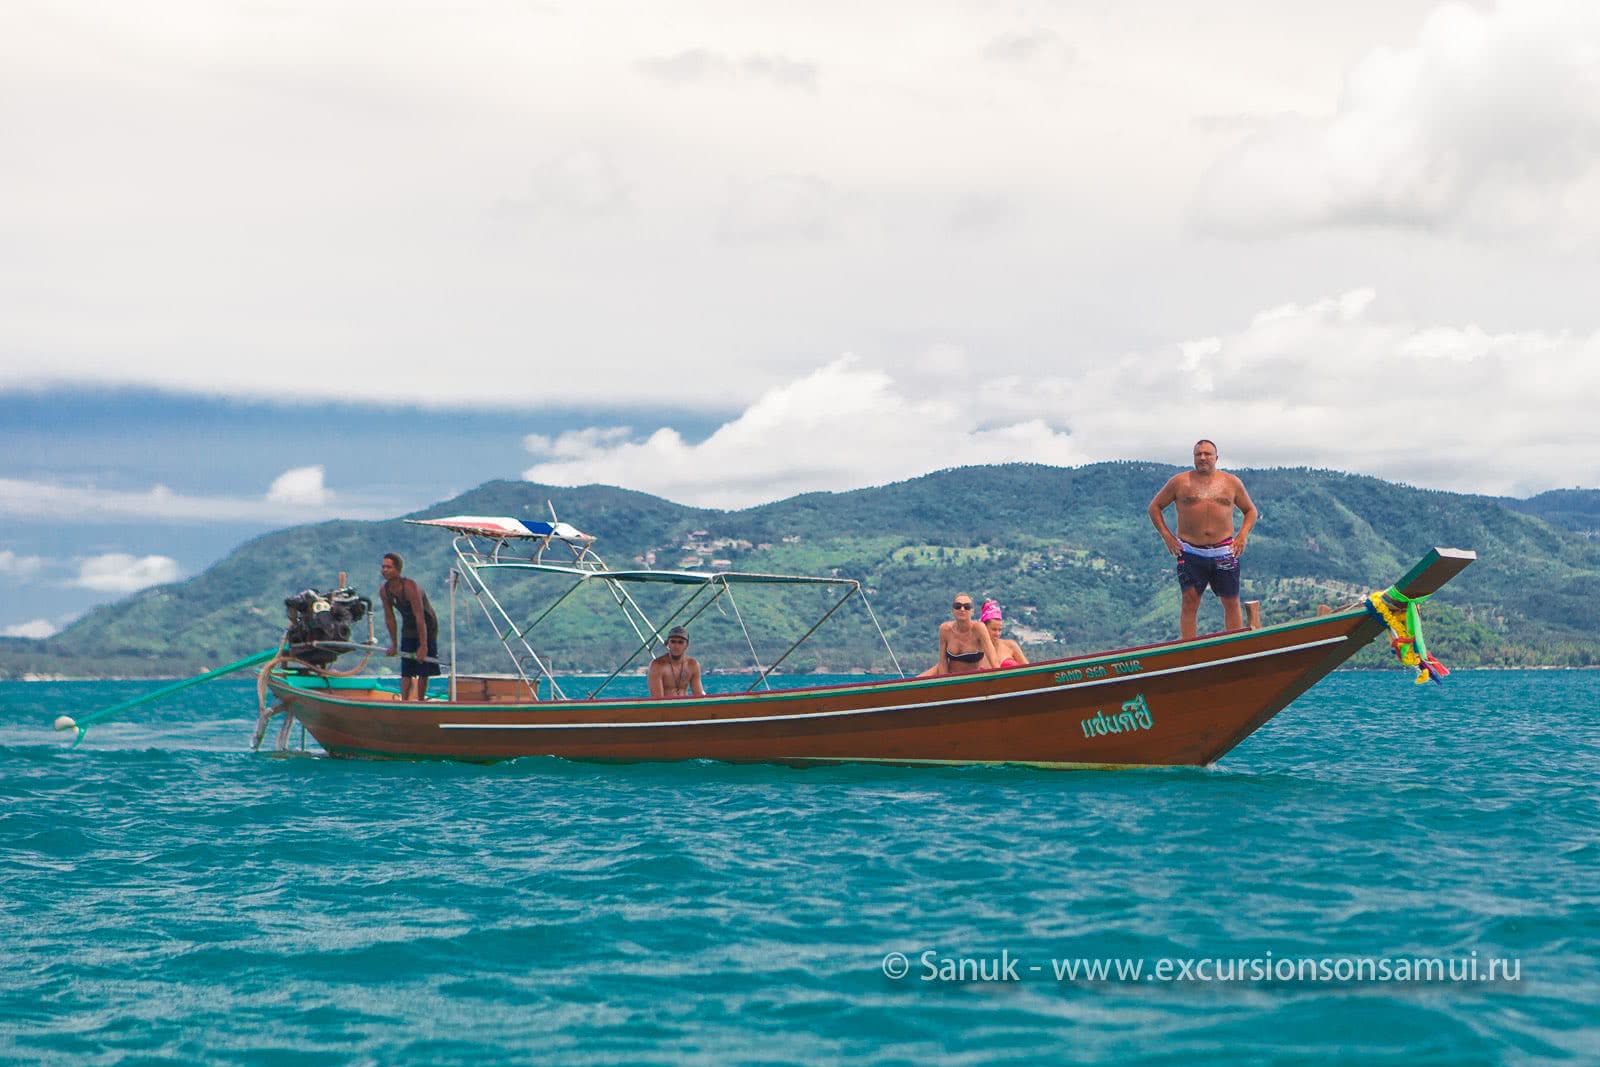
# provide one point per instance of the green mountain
(1570, 509)
(1068, 552)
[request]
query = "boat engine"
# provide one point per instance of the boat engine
(316, 617)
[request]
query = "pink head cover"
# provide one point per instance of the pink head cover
(991, 610)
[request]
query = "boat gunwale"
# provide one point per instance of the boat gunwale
(332, 695)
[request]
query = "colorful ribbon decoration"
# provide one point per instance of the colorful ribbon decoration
(1406, 641)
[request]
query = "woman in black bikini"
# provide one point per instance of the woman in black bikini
(964, 644)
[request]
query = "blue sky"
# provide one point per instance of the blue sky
(270, 264)
(219, 457)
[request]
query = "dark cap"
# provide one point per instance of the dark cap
(677, 631)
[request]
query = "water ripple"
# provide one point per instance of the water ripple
(169, 896)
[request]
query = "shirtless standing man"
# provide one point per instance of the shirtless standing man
(1207, 548)
(675, 674)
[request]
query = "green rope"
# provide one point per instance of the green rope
(82, 726)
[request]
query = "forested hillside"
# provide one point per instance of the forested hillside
(1068, 552)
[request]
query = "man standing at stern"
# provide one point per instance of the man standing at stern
(1207, 548)
(419, 628)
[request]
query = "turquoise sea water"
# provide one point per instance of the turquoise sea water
(168, 896)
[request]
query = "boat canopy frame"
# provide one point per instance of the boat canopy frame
(484, 545)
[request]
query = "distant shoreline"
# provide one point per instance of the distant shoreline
(33, 678)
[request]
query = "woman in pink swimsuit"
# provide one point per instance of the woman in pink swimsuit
(1008, 651)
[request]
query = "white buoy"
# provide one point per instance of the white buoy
(66, 723)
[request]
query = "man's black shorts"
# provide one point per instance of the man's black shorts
(1220, 573)
(410, 668)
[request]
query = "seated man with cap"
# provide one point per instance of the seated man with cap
(676, 673)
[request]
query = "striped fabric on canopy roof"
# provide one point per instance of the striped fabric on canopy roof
(505, 526)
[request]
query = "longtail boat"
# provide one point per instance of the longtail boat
(1174, 703)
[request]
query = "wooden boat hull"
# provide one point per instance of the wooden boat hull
(1180, 703)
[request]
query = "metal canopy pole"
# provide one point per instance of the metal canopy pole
(737, 614)
(587, 564)
(480, 591)
(854, 586)
(624, 600)
(525, 631)
(892, 657)
(455, 577)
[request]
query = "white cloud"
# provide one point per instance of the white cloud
(415, 205)
(700, 65)
(780, 70)
(118, 572)
(81, 505)
(300, 486)
(778, 208)
(1332, 384)
(841, 427)
(1489, 124)
(1032, 46)
(19, 566)
(686, 67)
(581, 184)
(36, 628)
(498, 206)
(1327, 383)
(577, 443)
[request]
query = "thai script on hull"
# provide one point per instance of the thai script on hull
(1135, 715)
